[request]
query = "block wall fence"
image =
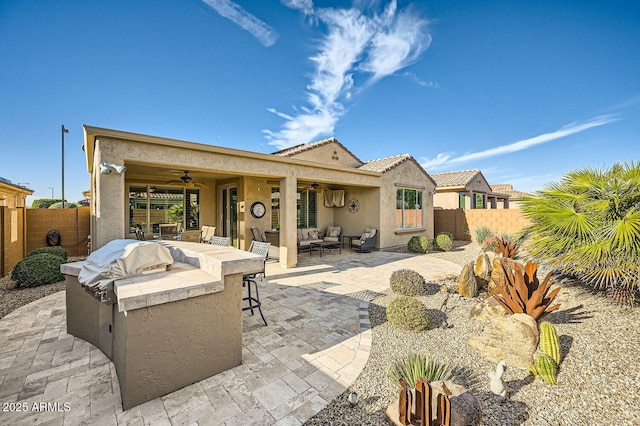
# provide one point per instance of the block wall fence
(462, 223)
(24, 230)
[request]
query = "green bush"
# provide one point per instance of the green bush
(482, 233)
(444, 241)
(44, 203)
(408, 313)
(588, 225)
(416, 367)
(56, 251)
(39, 269)
(408, 282)
(419, 244)
(67, 205)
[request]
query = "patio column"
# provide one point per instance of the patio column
(288, 220)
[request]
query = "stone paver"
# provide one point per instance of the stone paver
(316, 344)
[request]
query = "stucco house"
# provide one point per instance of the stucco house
(466, 189)
(13, 195)
(515, 196)
(167, 181)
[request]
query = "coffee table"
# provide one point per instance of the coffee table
(324, 245)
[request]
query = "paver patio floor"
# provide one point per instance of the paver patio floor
(316, 344)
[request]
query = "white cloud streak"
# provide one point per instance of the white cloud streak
(236, 14)
(445, 159)
(355, 44)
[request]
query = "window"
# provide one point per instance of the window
(149, 206)
(307, 209)
(462, 197)
(479, 201)
(408, 208)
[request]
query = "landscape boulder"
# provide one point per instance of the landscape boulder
(486, 309)
(513, 338)
(468, 283)
(497, 278)
(483, 270)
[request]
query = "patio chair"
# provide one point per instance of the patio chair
(366, 242)
(206, 232)
(257, 235)
(262, 249)
(140, 234)
(220, 241)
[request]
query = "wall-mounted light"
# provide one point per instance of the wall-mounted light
(106, 168)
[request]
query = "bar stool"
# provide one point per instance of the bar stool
(262, 249)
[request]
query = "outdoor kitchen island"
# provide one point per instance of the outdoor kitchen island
(165, 330)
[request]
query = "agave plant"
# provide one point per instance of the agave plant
(523, 293)
(417, 366)
(588, 225)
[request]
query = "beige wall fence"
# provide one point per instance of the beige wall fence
(463, 223)
(25, 229)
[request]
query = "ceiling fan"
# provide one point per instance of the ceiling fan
(313, 187)
(187, 181)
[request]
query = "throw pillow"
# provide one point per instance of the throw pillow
(364, 236)
(333, 232)
(313, 235)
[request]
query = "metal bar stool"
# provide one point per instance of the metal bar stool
(262, 249)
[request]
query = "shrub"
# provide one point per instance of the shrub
(444, 241)
(408, 282)
(408, 313)
(39, 269)
(56, 251)
(588, 225)
(44, 203)
(416, 367)
(67, 205)
(419, 244)
(482, 233)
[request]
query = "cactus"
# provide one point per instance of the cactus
(549, 342)
(546, 369)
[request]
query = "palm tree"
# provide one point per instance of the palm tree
(588, 225)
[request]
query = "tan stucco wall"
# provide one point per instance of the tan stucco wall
(331, 153)
(463, 223)
(410, 176)
(73, 225)
(13, 223)
(446, 200)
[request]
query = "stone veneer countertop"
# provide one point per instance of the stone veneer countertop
(198, 269)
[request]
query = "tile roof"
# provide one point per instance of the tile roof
(458, 178)
(297, 149)
(383, 165)
(507, 188)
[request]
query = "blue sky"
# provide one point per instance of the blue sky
(524, 91)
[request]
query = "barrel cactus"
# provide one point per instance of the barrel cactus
(549, 342)
(545, 368)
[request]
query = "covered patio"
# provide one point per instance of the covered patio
(316, 344)
(149, 182)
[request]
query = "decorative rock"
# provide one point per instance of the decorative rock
(487, 309)
(465, 407)
(483, 269)
(468, 284)
(497, 385)
(513, 338)
(497, 277)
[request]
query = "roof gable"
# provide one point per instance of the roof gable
(507, 188)
(383, 165)
(338, 154)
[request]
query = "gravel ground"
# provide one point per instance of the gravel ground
(12, 297)
(598, 380)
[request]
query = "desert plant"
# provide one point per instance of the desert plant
(36, 270)
(407, 282)
(588, 225)
(506, 248)
(522, 292)
(545, 368)
(56, 251)
(408, 313)
(444, 241)
(549, 342)
(482, 233)
(417, 366)
(44, 203)
(419, 244)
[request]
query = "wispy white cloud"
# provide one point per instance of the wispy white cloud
(446, 159)
(236, 14)
(361, 44)
(420, 82)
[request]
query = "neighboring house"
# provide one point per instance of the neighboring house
(466, 189)
(515, 196)
(311, 185)
(13, 195)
